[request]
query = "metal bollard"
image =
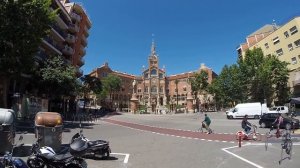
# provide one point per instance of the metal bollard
(239, 137)
(240, 140)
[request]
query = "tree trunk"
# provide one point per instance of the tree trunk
(4, 91)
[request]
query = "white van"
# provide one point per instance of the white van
(253, 110)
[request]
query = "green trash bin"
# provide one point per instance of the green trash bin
(7, 130)
(48, 127)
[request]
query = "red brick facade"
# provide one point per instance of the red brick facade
(154, 89)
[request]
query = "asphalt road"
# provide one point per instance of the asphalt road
(172, 141)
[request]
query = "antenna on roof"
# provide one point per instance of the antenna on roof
(274, 24)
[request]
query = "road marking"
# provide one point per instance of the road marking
(126, 156)
(239, 157)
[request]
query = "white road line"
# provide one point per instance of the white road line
(126, 156)
(239, 157)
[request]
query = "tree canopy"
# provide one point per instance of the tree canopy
(256, 78)
(57, 77)
(23, 25)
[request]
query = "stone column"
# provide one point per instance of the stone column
(189, 103)
(134, 103)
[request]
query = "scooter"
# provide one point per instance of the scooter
(81, 146)
(9, 161)
(46, 156)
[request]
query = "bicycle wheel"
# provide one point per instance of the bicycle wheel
(257, 137)
(281, 156)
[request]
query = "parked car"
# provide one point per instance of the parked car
(279, 109)
(267, 119)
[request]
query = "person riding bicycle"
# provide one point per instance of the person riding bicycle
(206, 123)
(278, 121)
(246, 125)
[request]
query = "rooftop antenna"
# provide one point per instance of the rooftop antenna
(274, 24)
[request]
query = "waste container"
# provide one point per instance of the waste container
(48, 127)
(7, 130)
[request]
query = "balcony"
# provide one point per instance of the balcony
(70, 39)
(75, 17)
(86, 31)
(61, 22)
(51, 44)
(84, 41)
(67, 61)
(73, 28)
(41, 56)
(83, 51)
(81, 62)
(58, 31)
(79, 72)
(67, 50)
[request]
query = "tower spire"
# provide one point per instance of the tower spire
(153, 52)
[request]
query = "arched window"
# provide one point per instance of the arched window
(153, 72)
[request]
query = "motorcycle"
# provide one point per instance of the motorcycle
(46, 156)
(9, 161)
(81, 146)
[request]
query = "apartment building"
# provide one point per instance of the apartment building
(154, 89)
(68, 36)
(282, 41)
(68, 39)
(79, 26)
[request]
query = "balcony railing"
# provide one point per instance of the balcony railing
(68, 50)
(75, 17)
(52, 44)
(79, 72)
(58, 30)
(73, 28)
(81, 62)
(84, 41)
(83, 51)
(70, 38)
(67, 61)
(62, 23)
(86, 31)
(41, 56)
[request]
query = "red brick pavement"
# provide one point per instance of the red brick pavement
(181, 133)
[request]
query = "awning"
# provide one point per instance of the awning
(295, 100)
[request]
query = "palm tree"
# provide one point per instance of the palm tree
(199, 84)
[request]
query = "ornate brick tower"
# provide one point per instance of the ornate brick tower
(154, 81)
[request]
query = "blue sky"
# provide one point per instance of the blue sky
(187, 32)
